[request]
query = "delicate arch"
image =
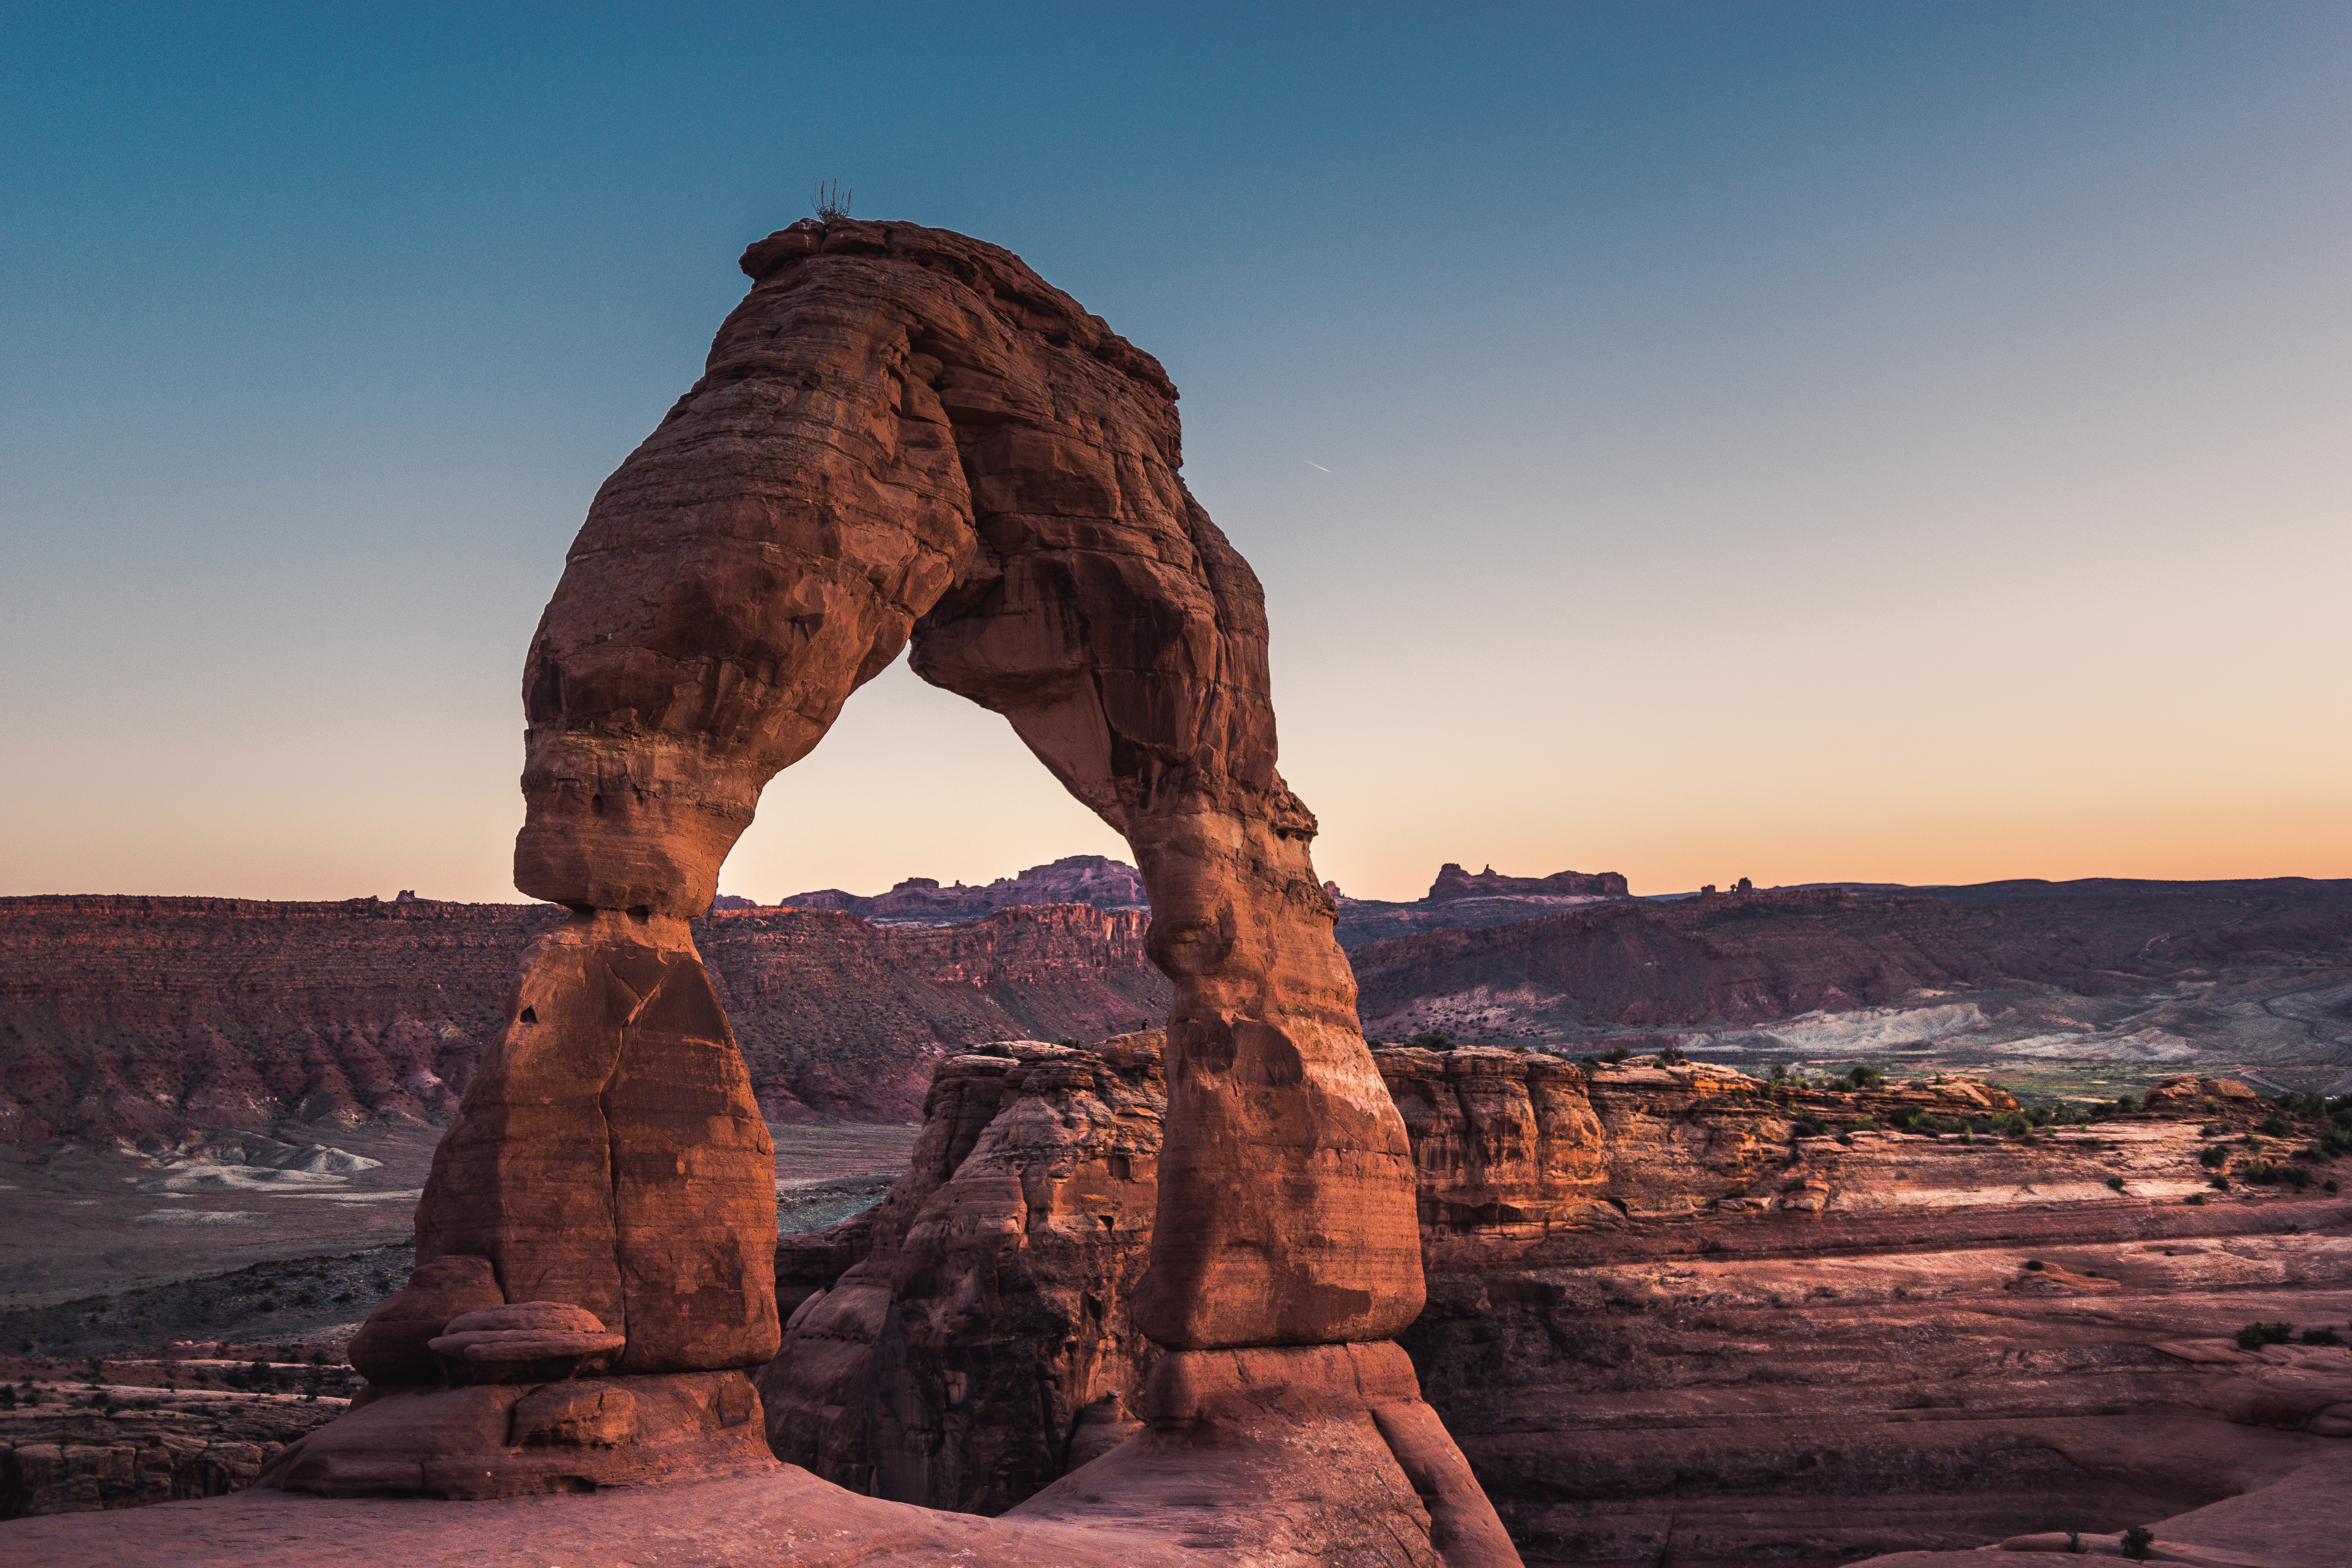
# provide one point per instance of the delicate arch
(906, 434)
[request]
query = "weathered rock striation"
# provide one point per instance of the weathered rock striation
(904, 435)
(970, 1337)
(1454, 883)
(1094, 879)
(150, 1019)
(1673, 1310)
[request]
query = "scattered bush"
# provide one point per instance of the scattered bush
(2331, 1184)
(2213, 1157)
(2033, 1265)
(2257, 1334)
(2299, 1104)
(2136, 1542)
(1672, 1056)
(2220, 1183)
(2117, 1183)
(2322, 1336)
(2195, 1200)
(1432, 1040)
(1616, 1053)
(1867, 1076)
(2074, 1543)
(831, 202)
(1868, 1124)
(2277, 1126)
(1806, 1127)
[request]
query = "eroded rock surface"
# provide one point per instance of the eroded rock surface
(986, 1327)
(1677, 1311)
(904, 435)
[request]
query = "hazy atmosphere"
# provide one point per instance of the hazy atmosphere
(1888, 442)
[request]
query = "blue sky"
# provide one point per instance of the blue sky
(1887, 441)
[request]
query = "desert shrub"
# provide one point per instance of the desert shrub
(2136, 1542)
(2277, 1126)
(2195, 1200)
(831, 202)
(2126, 1104)
(2074, 1543)
(1616, 1053)
(2297, 1103)
(2213, 1157)
(2322, 1336)
(1806, 1127)
(2033, 1265)
(2257, 1334)
(1672, 1056)
(1432, 1040)
(2220, 1183)
(2330, 1184)
(1868, 1124)
(2117, 1183)
(2337, 1138)
(1864, 1076)
(2014, 1124)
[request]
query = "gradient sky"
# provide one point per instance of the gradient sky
(1910, 443)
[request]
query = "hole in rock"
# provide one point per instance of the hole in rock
(912, 781)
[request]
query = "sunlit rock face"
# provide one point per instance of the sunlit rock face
(905, 437)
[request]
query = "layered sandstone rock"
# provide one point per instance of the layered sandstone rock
(984, 1334)
(1454, 883)
(152, 1019)
(1677, 1309)
(903, 434)
(1093, 880)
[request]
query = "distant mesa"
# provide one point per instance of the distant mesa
(1453, 883)
(1095, 879)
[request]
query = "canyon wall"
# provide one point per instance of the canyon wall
(1674, 1313)
(142, 1017)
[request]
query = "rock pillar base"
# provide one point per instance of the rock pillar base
(1314, 1454)
(511, 1440)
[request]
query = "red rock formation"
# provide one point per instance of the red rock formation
(146, 1018)
(1453, 883)
(1768, 955)
(902, 426)
(1094, 879)
(981, 1343)
(1671, 1318)
(903, 433)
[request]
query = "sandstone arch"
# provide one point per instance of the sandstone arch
(906, 435)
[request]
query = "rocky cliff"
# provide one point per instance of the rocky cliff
(142, 1017)
(1095, 879)
(1676, 1312)
(1454, 884)
(2036, 976)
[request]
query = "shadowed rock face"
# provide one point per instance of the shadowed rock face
(904, 435)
